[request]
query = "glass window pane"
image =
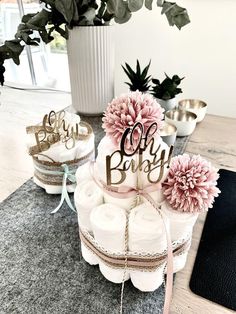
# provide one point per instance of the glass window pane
(45, 57)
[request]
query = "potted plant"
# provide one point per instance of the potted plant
(166, 91)
(90, 41)
(139, 79)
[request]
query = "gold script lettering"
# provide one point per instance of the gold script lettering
(54, 129)
(159, 159)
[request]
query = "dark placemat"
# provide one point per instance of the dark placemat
(41, 267)
(214, 272)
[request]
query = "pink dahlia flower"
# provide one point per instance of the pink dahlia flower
(126, 110)
(191, 184)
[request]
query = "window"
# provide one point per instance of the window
(39, 65)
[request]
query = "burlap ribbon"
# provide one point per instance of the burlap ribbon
(141, 262)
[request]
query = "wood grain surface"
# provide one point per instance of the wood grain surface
(215, 139)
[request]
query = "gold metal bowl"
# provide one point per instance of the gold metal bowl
(185, 121)
(180, 115)
(196, 106)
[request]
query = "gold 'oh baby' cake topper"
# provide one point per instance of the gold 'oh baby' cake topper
(54, 129)
(159, 158)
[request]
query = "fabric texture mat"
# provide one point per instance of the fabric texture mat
(214, 272)
(41, 267)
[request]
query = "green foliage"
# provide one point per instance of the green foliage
(175, 14)
(139, 79)
(59, 15)
(167, 89)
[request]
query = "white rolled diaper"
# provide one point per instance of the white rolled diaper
(108, 224)
(181, 224)
(87, 196)
(83, 173)
(146, 235)
(124, 203)
(181, 227)
(89, 256)
(179, 262)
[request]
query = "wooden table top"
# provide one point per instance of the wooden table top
(214, 139)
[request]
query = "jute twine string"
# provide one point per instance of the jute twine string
(135, 203)
(43, 166)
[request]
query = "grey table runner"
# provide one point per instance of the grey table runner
(41, 267)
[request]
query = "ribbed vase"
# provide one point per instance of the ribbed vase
(91, 66)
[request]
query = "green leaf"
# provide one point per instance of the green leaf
(68, 9)
(112, 6)
(145, 70)
(107, 16)
(14, 48)
(27, 17)
(2, 70)
(119, 8)
(135, 5)
(62, 32)
(175, 14)
(39, 20)
(89, 15)
(49, 3)
(101, 10)
(23, 33)
(148, 4)
(160, 3)
(129, 69)
(138, 70)
(156, 81)
(123, 19)
(130, 75)
(46, 37)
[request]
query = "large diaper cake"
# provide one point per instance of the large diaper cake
(136, 205)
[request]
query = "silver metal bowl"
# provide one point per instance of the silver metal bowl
(168, 133)
(185, 121)
(196, 106)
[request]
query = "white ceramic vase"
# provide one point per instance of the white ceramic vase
(91, 66)
(167, 104)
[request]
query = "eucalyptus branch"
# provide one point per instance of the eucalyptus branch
(59, 15)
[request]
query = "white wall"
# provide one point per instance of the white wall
(203, 51)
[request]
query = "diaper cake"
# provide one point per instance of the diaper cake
(136, 204)
(58, 146)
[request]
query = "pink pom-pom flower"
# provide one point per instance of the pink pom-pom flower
(128, 109)
(191, 184)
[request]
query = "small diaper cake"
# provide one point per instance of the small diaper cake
(59, 145)
(136, 205)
